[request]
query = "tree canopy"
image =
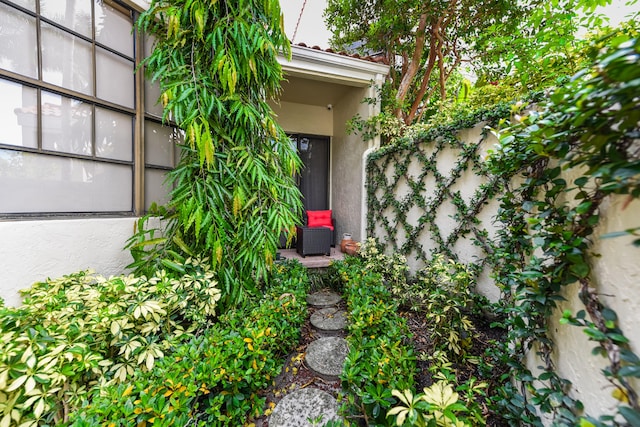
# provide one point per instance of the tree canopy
(533, 42)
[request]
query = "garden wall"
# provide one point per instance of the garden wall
(430, 196)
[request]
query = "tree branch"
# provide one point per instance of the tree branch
(413, 66)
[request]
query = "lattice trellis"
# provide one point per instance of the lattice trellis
(428, 197)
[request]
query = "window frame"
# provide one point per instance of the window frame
(138, 113)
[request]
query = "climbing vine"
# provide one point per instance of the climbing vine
(591, 124)
(388, 168)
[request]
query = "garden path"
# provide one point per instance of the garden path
(319, 362)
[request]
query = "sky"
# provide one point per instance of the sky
(312, 30)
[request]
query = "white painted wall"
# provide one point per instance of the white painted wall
(615, 276)
(31, 251)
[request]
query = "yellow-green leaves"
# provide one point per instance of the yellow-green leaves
(83, 328)
(198, 135)
(234, 189)
(199, 17)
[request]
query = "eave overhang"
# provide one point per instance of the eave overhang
(331, 67)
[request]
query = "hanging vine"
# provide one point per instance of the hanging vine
(590, 124)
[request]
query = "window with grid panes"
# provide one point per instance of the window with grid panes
(68, 111)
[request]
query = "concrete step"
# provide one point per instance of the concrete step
(329, 321)
(326, 356)
(305, 407)
(323, 298)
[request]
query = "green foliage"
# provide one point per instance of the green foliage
(233, 189)
(423, 41)
(514, 48)
(437, 405)
(444, 291)
(591, 123)
(214, 377)
(546, 46)
(379, 359)
(82, 330)
(392, 268)
(546, 224)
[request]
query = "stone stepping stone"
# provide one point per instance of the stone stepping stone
(326, 356)
(329, 320)
(303, 407)
(323, 298)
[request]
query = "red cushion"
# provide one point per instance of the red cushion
(319, 219)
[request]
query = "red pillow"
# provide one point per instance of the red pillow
(319, 219)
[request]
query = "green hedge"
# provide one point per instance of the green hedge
(213, 378)
(380, 357)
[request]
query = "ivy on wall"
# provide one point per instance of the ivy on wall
(590, 124)
(391, 213)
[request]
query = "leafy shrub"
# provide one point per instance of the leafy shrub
(393, 268)
(444, 289)
(81, 329)
(214, 377)
(437, 405)
(379, 359)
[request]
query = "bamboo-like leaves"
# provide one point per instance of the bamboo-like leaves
(233, 190)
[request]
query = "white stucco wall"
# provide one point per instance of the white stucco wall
(31, 251)
(615, 273)
(466, 185)
(348, 180)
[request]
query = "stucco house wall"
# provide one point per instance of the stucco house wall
(33, 250)
(36, 247)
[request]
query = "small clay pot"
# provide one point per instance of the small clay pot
(351, 248)
(346, 238)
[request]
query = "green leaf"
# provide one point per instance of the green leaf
(580, 270)
(632, 416)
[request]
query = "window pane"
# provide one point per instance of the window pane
(18, 115)
(66, 125)
(18, 45)
(66, 60)
(160, 143)
(151, 98)
(155, 188)
(113, 29)
(75, 15)
(115, 78)
(32, 183)
(114, 135)
(27, 4)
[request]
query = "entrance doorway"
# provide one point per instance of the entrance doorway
(313, 180)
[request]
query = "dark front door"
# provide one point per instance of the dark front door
(314, 176)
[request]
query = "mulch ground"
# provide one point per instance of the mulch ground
(485, 335)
